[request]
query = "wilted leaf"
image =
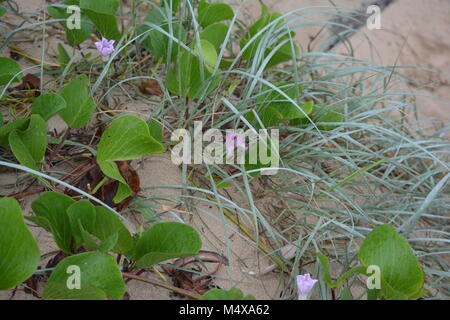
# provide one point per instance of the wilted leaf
(151, 87)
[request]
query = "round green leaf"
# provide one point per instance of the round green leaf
(164, 241)
(29, 146)
(329, 116)
(102, 14)
(401, 275)
(9, 69)
(209, 13)
(127, 138)
(208, 53)
(215, 34)
(100, 222)
(100, 278)
(74, 36)
(52, 207)
(6, 129)
(19, 252)
(79, 104)
(47, 105)
(232, 294)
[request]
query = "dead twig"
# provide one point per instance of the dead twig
(162, 285)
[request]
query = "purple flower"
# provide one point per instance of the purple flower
(105, 47)
(304, 284)
(234, 141)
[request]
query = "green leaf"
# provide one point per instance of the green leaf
(232, 294)
(215, 34)
(346, 294)
(74, 36)
(288, 51)
(2, 10)
(164, 241)
(29, 146)
(327, 115)
(102, 14)
(9, 69)
(81, 215)
(156, 130)
(107, 223)
(185, 79)
(127, 138)
(5, 130)
(283, 54)
(52, 206)
(209, 13)
(274, 108)
(401, 275)
(101, 223)
(208, 54)
(372, 294)
(326, 272)
(155, 41)
(63, 56)
(41, 222)
(19, 252)
(100, 278)
(47, 105)
(326, 277)
(80, 104)
(220, 184)
(286, 108)
(174, 4)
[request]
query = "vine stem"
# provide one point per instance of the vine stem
(87, 195)
(163, 285)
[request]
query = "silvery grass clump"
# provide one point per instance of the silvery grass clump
(350, 158)
(336, 181)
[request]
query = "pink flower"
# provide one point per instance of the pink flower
(105, 47)
(234, 141)
(305, 284)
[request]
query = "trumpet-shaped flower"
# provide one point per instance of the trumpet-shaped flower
(305, 284)
(105, 47)
(234, 141)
